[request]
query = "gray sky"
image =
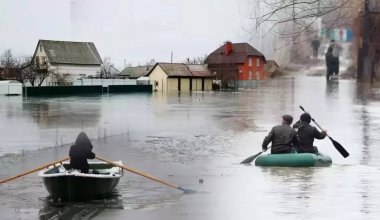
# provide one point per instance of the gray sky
(134, 30)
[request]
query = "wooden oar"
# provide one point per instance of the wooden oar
(33, 170)
(145, 175)
(338, 146)
(251, 158)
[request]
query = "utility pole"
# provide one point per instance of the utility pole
(363, 61)
(171, 57)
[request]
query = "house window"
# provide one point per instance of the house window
(40, 48)
(257, 61)
(250, 61)
(250, 75)
(257, 75)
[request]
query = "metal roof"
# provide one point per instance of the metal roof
(69, 52)
(136, 72)
(239, 54)
(184, 70)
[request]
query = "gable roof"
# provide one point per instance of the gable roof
(239, 54)
(183, 70)
(69, 52)
(136, 72)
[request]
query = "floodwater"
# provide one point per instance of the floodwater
(196, 141)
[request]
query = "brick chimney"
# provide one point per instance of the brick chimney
(227, 47)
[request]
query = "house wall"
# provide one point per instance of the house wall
(185, 84)
(258, 72)
(159, 79)
(77, 71)
(207, 84)
(197, 84)
(172, 84)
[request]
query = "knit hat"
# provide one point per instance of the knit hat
(287, 118)
(305, 117)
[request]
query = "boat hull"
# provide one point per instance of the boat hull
(294, 160)
(73, 185)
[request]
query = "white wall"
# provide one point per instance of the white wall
(11, 89)
(104, 82)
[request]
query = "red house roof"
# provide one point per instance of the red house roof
(238, 54)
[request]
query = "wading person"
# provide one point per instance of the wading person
(283, 137)
(306, 134)
(80, 151)
(331, 65)
(315, 46)
(336, 51)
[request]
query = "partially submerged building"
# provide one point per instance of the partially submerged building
(71, 60)
(180, 77)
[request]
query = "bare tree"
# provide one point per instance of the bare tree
(289, 19)
(196, 60)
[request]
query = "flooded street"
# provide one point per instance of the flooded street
(196, 141)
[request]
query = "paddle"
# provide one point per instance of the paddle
(33, 170)
(251, 158)
(338, 146)
(146, 175)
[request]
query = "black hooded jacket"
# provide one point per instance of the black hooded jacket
(80, 151)
(306, 134)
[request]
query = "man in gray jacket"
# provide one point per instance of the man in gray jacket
(283, 137)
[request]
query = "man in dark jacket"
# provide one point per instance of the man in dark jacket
(80, 151)
(283, 137)
(331, 64)
(306, 134)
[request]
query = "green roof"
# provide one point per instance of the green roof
(69, 52)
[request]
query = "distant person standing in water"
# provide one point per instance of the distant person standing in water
(331, 64)
(336, 52)
(80, 151)
(315, 46)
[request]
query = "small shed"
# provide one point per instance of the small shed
(10, 87)
(143, 80)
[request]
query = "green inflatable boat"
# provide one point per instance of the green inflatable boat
(294, 160)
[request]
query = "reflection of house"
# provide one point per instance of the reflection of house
(135, 72)
(271, 68)
(71, 59)
(237, 61)
(180, 77)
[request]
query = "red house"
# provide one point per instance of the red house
(237, 61)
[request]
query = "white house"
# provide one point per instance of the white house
(70, 59)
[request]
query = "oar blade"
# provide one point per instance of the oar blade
(250, 159)
(340, 148)
(187, 191)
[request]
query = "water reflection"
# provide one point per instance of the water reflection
(78, 210)
(332, 88)
(63, 112)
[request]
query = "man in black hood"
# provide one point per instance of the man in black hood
(80, 151)
(306, 134)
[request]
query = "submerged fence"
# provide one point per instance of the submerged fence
(82, 90)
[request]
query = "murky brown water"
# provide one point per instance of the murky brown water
(183, 138)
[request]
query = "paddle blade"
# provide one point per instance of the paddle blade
(186, 191)
(250, 159)
(340, 148)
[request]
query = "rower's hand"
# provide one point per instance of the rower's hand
(264, 149)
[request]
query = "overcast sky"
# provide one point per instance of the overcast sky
(132, 30)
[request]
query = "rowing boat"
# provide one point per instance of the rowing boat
(67, 184)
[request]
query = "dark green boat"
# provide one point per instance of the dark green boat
(294, 160)
(72, 185)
